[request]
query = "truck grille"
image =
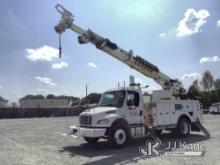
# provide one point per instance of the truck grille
(85, 120)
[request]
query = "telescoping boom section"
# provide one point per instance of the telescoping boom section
(134, 61)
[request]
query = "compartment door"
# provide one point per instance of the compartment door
(167, 114)
(159, 114)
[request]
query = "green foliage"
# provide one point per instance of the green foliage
(217, 83)
(207, 81)
(92, 98)
(32, 97)
(210, 92)
(193, 91)
(50, 96)
(3, 101)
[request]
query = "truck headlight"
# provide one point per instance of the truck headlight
(103, 121)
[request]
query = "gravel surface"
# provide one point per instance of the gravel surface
(39, 141)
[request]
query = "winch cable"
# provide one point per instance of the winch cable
(67, 111)
(60, 55)
(60, 46)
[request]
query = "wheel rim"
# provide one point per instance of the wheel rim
(120, 136)
(185, 128)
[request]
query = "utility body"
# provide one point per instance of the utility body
(126, 113)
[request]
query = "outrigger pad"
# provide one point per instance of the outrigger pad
(203, 129)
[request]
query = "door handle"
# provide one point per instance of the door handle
(141, 112)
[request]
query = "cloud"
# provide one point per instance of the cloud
(92, 65)
(44, 53)
(205, 60)
(192, 76)
(9, 20)
(43, 91)
(60, 65)
(140, 9)
(45, 81)
(162, 34)
(192, 22)
(169, 33)
(218, 23)
(150, 87)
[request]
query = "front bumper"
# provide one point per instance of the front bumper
(87, 132)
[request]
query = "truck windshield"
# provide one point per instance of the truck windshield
(112, 99)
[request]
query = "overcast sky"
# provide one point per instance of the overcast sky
(180, 37)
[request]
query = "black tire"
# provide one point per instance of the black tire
(118, 135)
(91, 140)
(183, 128)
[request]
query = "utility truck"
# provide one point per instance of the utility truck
(125, 113)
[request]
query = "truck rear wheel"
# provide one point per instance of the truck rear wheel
(183, 128)
(118, 135)
(91, 139)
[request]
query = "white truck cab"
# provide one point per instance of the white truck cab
(124, 113)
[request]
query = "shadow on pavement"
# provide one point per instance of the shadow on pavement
(129, 154)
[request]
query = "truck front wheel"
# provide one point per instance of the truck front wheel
(118, 135)
(183, 128)
(91, 139)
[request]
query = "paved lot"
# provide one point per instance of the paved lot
(40, 141)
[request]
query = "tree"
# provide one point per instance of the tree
(29, 97)
(39, 97)
(92, 98)
(196, 85)
(14, 104)
(207, 81)
(3, 102)
(217, 83)
(50, 96)
(32, 97)
(193, 91)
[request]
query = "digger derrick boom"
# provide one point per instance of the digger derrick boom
(111, 48)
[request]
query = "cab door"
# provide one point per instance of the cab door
(133, 107)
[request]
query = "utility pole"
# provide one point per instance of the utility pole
(87, 90)
(87, 95)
